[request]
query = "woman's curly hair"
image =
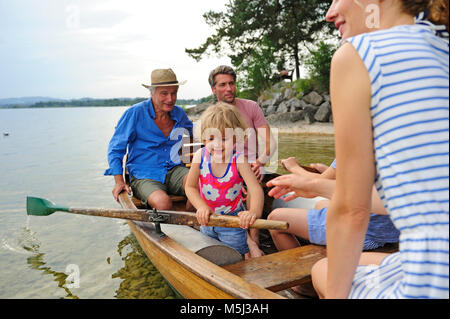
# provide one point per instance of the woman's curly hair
(437, 9)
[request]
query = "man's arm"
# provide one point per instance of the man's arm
(270, 144)
(125, 132)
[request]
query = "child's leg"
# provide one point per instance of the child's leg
(210, 231)
(234, 237)
(254, 250)
(298, 225)
(253, 237)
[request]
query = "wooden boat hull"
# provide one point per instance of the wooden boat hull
(191, 275)
(195, 277)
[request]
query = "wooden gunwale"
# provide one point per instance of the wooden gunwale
(191, 275)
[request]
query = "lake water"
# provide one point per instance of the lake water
(60, 154)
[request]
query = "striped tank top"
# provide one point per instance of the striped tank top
(222, 194)
(409, 72)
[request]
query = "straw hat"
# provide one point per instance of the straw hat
(163, 77)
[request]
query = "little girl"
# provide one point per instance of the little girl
(216, 177)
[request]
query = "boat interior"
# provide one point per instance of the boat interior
(276, 271)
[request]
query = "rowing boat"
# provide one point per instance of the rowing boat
(193, 276)
(200, 267)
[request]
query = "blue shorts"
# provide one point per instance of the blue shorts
(380, 230)
(233, 237)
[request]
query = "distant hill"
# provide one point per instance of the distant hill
(27, 100)
(42, 102)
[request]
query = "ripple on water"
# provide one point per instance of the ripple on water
(23, 242)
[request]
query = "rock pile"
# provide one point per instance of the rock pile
(287, 107)
(283, 105)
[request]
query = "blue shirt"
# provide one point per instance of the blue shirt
(150, 153)
(333, 164)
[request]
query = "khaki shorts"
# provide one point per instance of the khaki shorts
(173, 185)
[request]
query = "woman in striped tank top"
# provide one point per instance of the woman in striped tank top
(215, 179)
(389, 93)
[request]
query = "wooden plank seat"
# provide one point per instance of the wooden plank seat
(280, 270)
(287, 268)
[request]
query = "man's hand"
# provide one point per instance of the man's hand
(203, 215)
(118, 188)
(258, 170)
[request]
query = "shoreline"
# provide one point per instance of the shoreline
(304, 128)
(299, 128)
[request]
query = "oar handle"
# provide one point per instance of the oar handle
(233, 221)
(190, 219)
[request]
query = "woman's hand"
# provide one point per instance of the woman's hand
(319, 167)
(285, 184)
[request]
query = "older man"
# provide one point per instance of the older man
(223, 85)
(152, 131)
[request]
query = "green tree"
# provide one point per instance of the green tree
(246, 25)
(318, 64)
(257, 70)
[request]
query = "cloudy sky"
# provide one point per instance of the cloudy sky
(101, 48)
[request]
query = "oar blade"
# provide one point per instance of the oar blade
(40, 207)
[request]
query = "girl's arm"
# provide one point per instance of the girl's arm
(192, 190)
(256, 193)
(348, 215)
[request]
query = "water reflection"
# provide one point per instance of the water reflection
(36, 261)
(140, 279)
(63, 158)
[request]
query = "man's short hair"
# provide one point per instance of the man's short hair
(223, 69)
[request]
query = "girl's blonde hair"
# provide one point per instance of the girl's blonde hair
(221, 116)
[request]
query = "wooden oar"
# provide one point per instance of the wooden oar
(41, 207)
